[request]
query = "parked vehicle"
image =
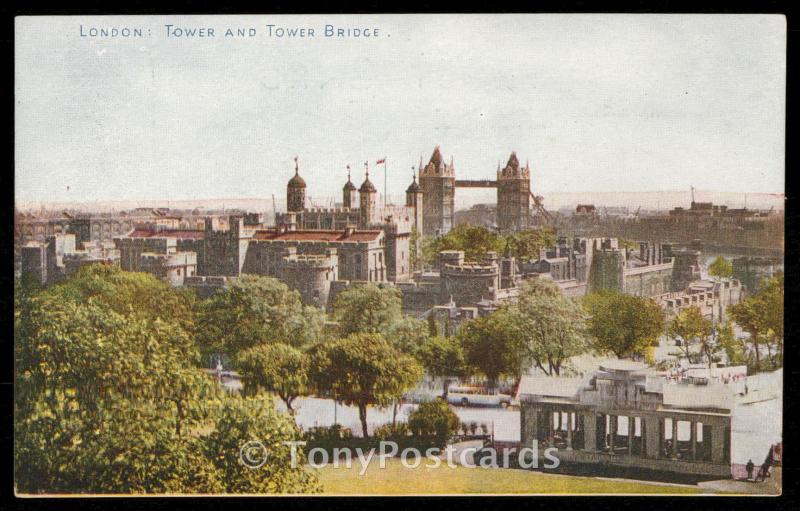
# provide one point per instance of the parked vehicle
(477, 396)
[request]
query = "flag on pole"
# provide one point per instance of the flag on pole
(382, 160)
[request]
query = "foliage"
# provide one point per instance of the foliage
(721, 268)
(442, 356)
(242, 420)
(734, 349)
(691, 328)
(476, 241)
(256, 310)
(623, 324)
(761, 316)
(360, 370)
(526, 244)
(108, 396)
(553, 326)
(407, 334)
(434, 419)
(494, 345)
(278, 368)
(367, 308)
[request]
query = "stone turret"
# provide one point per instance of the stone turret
(368, 202)
(296, 191)
(349, 192)
(437, 180)
(513, 195)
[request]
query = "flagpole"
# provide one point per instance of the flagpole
(385, 197)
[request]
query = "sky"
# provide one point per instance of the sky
(604, 103)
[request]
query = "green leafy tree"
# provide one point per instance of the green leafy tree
(278, 368)
(553, 326)
(442, 357)
(362, 369)
(761, 316)
(623, 324)
(367, 308)
(108, 396)
(726, 340)
(254, 419)
(721, 268)
(256, 310)
(407, 334)
(435, 420)
(494, 345)
(474, 240)
(692, 329)
(526, 244)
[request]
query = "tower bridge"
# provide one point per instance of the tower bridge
(438, 182)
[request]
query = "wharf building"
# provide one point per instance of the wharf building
(628, 415)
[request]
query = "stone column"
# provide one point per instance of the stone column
(569, 431)
(612, 426)
(631, 429)
(717, 443)
(652, 431)
(528, 424)
(674, 438)
(693, 438)
(589, 431)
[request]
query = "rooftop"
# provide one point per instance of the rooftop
(184, 234)
(317, 235)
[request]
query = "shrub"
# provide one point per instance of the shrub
(434, 419)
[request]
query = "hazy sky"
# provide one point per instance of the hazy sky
(595, 102)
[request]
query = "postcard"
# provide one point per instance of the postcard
(450, 254)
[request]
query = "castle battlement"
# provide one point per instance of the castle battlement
(471, 269)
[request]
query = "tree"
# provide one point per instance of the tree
(256, 310)
(442, 357)
(690, 327)
(526, 244)
(407, 334)
(494, 345)
(360, 370)
(474, 240)
(367, 308)
(623, 324)
(278, 368)
(109, 399)
(435, 420)
(726, 340)
(761, 316)
(243, 420)
(721, 268)
(553, 326)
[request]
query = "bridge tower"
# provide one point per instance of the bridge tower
(513, 195)
(437, 180)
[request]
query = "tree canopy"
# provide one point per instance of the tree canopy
(367, 308)
(476, 241)
(553, 326)
(278, 368)
(761, 315)
(494, 345)
(692, 329)
(623, 324)
(110, 400)
(721, 268)
(360, 370)
(256, 310)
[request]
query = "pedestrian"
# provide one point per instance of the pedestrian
(749, 467)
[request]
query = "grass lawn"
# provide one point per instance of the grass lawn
(396, 479)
